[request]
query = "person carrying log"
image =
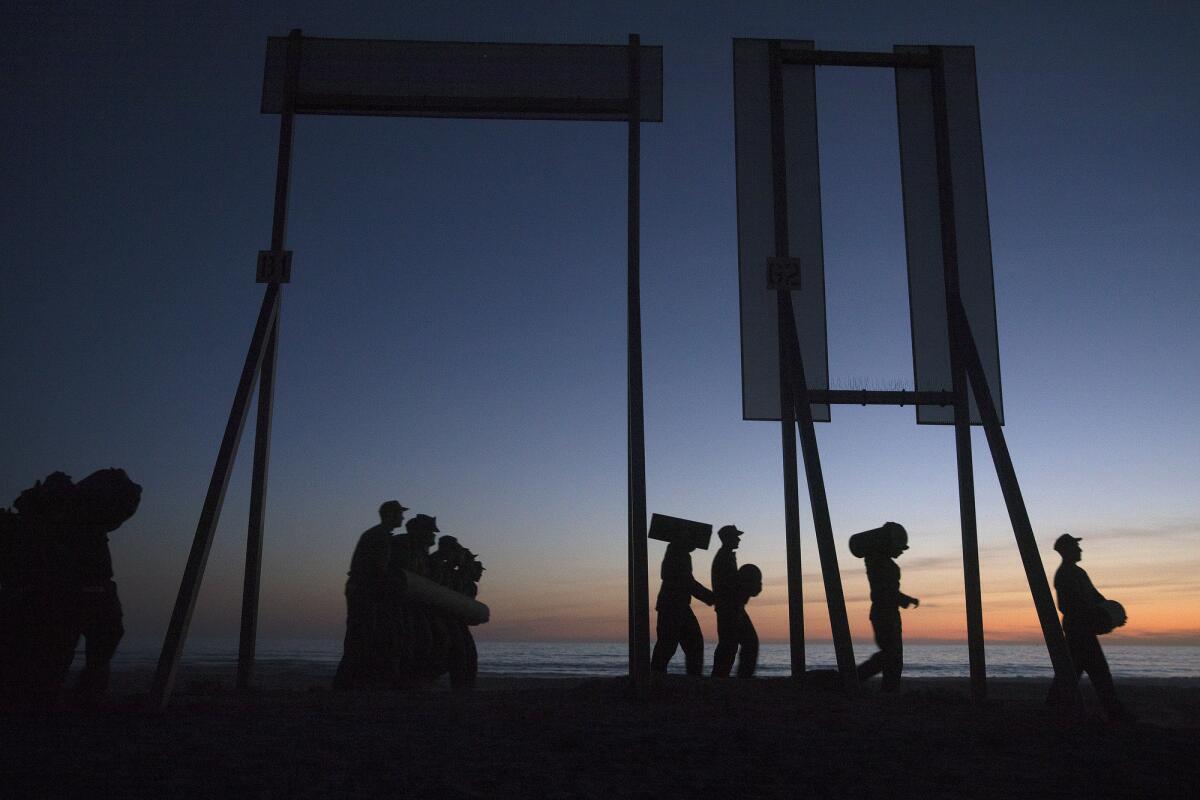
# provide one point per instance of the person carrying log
(879, 548)
(677, 624)
(368, 651)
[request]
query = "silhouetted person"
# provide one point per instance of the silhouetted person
(105, 500)
(886, 602)
(368, 652)
(448, 560)
(1083, 619)
(735, 631)
(427, 638)
(677, 624)
(445, 560)
(56, 578)
(473, 574)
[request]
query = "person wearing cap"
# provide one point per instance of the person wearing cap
(677, 624)
(735, 631)
(368, 651)
(424, 640)
(1082, 620)
(883, 574)
(472, 575)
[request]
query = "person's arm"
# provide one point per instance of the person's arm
(379, 553)
(1089, 590)
(1072, 596)
(908, 600)
(701, 593)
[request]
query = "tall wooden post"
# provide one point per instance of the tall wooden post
(639, 594)
(259, 358)
(791, 495)
(962, 410)
(787, 398)
(790, 350)
(266, 387)
(258, 500)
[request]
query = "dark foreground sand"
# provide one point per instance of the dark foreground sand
(555, 738)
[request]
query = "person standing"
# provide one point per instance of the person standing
(367, 651)
(1083, 618)
(735, 632)
(677, 624)
(886, 601)
(104, 500)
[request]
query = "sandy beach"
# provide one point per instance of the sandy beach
(560, 738)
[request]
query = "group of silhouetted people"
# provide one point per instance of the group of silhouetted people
(405, 622)
(732, 588)
(398, 632)
(56, 587)
(1086, 613)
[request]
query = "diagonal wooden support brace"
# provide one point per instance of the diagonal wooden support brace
(826, 546)
(193, 574)
(1035, 573)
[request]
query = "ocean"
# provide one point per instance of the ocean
(585, 659)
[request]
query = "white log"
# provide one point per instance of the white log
(422, 591)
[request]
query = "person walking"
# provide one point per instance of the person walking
(1085, 615)
(677, 624)
(735, 632)
(886, 601)
(367, 651)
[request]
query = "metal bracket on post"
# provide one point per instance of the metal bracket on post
(783, 273)
(274, 266)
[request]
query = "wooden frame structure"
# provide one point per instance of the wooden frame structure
(967, 370)
(289, 97)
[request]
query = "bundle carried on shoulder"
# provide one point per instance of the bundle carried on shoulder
(105, 499)
(1108, 615)
(877, 541)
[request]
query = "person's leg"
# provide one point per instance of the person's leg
(1092, 661)
(349, 673)
(667, 632)
(727, 642)
(1062, 687)
(691, 639)
(748, 640)
(891, 652)
(102, 635)
(873, 665)
(59, 624)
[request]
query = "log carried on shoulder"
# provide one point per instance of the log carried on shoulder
(422, 591)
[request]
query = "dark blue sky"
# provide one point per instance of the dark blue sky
(454, 333)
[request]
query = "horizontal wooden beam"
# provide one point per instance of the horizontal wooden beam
(468, 107)
(834, 58)
(866, 397)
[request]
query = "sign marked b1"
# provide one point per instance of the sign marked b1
(274, 267)
(783, 273)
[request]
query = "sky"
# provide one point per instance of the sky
(454, 332)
